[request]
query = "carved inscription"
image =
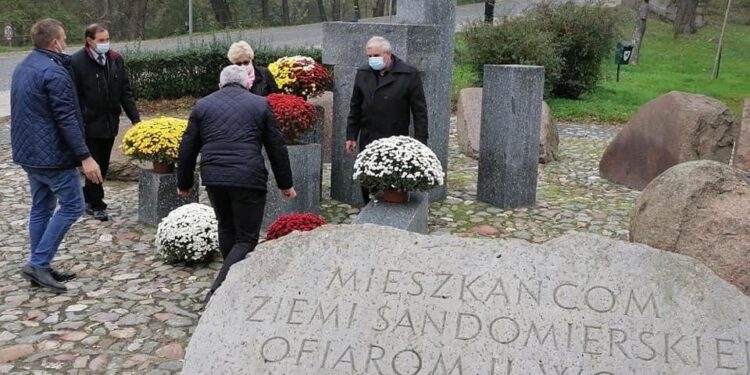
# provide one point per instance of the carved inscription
(491, 309)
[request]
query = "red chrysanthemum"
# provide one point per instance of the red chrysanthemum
(288, 223)
(294, 115)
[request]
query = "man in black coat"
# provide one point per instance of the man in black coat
(229, 128)
(387, 94)
(103, 89)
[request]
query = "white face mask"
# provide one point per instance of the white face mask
(101, 48)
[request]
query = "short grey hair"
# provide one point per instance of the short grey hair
(379, 42)
(234, 74)
(239, 50)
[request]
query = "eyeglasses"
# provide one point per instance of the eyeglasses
(240, 63)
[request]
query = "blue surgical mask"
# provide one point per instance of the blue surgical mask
(102, 48)
(377, 62)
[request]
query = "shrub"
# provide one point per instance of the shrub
(569, 40)
(288, 223)
(400, 163)
(585, 36)
(191, 71)
(188, 234)
(515, 41)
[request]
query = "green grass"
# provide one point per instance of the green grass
(4, 49)
(667, 64)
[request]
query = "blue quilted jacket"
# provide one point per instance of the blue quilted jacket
(46, 124)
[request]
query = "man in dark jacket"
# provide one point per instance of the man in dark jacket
(48, 142)
(387, 94)
(103, 89)
(229, 128)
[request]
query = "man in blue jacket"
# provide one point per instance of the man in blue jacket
(47, 138)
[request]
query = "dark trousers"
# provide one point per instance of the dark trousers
(101, 150)
(366, 195)
(240, 215)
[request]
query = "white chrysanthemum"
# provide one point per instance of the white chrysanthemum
(398, 162)
(188, 234)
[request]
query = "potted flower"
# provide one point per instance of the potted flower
(188, 234)
(296, 116)
(397, 165)
(301, 76)
(293, 222)
(293, 114)
(156, 140)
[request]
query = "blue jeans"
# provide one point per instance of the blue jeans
(47, 227)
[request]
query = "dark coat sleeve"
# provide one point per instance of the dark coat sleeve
(126, 96)
(354, 121)
(278, 155)
(60, 92)
(190, 146)
(418, 106)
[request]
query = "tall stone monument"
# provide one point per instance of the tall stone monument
(375, 300)
(423, 38)
(509, 146)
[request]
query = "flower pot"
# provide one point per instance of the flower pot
(395, 196)
(163, 167)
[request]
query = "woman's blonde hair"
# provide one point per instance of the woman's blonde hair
(239, 50)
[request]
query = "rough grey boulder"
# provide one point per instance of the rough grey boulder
(468, 124)
(672, 129)
(741, 157)
(700, 209)
(365, 299)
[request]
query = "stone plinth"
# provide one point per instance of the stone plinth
(157, 195)
(368, 299)
(326, 102)
(418, 45)
(314, 135)
(410, 216)
(509, 146)
(306, 166)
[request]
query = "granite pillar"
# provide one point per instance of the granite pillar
(509, 145)
(306, 162)
(438, 91)
(157, 195)
(344, 47)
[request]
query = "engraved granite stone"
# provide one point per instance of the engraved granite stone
(366, 299)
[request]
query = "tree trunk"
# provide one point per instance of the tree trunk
(285, 12)
(379, 9)
(322, 11)
(264, 8)
(223, 13)
(489, 11)
(684, 22)
(137, 16)
(336, 10)
(356, 10)
(639, 32)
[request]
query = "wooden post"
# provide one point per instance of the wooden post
(717, 61)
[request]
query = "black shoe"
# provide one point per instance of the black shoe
(101, 215)
(43, 278)
(62, 276)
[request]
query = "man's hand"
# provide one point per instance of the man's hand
(184, 193)
(289, 194)
(350, 147)
(92, 171)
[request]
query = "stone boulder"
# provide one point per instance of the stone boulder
(672, 129)
(701, 209)
(326, 101)
(367, 299)
(741, 157)
(469, 122)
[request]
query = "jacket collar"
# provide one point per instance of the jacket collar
(398, 66)
(60, 58)
(233, 85)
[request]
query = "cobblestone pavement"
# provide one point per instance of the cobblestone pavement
(130, 313)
